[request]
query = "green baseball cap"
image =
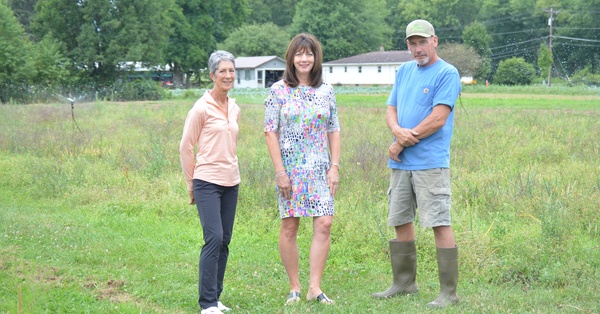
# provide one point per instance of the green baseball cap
(419, 28)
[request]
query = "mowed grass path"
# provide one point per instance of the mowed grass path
(97, 221)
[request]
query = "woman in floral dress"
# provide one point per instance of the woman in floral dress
(302, 132)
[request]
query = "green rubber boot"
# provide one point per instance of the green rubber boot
(404, 268)
(448, 271)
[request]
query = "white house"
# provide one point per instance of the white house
(372, 68)
(258, 71)
(137, 70)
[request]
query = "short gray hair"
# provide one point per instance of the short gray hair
(216, 58)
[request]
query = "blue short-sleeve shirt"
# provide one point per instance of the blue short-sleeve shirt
(416, 91)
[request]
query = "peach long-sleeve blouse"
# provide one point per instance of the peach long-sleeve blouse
(213, 132)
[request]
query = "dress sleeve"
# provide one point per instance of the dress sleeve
(272, 110)
(334, 122)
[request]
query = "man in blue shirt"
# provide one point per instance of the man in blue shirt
(420, 116)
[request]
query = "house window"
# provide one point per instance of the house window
(379, 69)
(359, 69)
(247, 75)
(330, 69)
(259, 77)
(345, 69)
(238, 75)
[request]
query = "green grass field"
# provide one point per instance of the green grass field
(97, 221)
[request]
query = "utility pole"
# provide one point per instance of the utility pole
(550, 20)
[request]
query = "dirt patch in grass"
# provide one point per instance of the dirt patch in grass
(112, 290)
(48, 275)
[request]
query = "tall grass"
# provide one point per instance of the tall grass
(97, 221)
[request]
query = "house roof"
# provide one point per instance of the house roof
(383, 57)
(254, 62)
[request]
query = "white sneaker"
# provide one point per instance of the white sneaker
(222, 307)
(211, 310)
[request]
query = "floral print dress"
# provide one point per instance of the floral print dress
(302, 116)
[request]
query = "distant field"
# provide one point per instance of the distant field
(554, 98)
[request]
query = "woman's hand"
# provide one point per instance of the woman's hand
(284, 185)
(192, 199)
(332, 179)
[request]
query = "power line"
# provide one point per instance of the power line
(519, 50)
(514, 53)
(578, 28)
(510, 18)
(555, 57)
(517, 43)
(578, 39)
(517, 32)
(586, 11)
(576, 45)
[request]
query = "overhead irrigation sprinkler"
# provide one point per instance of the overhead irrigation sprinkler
(72, 100)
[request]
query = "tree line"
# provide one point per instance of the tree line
(63, 46)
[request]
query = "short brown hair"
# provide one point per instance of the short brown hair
(300, 42)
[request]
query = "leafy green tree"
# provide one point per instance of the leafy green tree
(257, 40)
(228, 15)
(16, 67)
(344, 27)
(398, 27)
(544, 60)
(476, 36)
(484, 70)
(576, 35)
(514, 71)
(516, 27)
(463, 57)
(278, 12)
(198, 26)
(192, 40)
(447, 17)
(24, 10)
(51, 74)
(51, 68)
(260, 12)
(98, 35)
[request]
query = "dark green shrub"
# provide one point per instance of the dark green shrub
(191, 94)
(139, 90)
(586, 77)
(514, 71)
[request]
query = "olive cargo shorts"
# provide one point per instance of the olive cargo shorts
(427, 190)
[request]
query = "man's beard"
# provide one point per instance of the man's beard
(422, 62)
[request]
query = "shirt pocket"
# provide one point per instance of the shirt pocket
(425, 95)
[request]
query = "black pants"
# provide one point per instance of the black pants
(216, 208)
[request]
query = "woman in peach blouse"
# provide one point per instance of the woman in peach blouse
(212, 175)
